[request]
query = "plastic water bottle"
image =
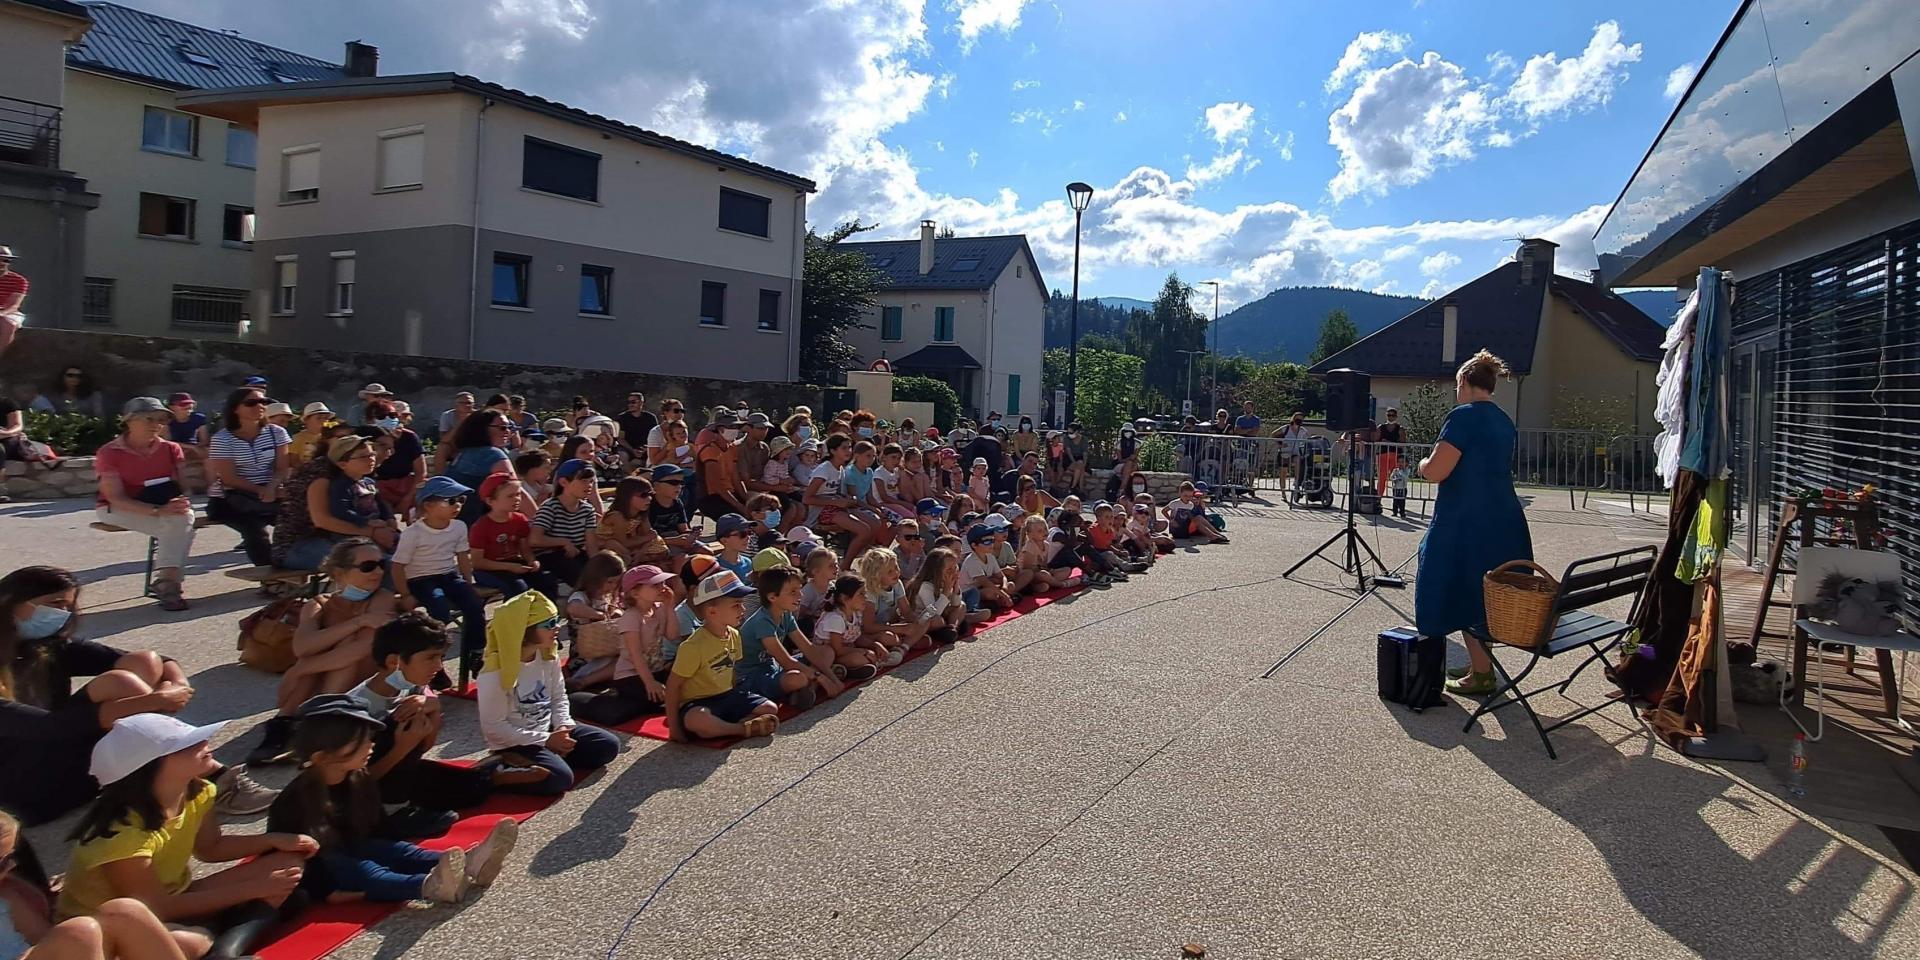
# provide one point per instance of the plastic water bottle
(1797, 767)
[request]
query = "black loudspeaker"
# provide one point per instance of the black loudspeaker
(1349, 399)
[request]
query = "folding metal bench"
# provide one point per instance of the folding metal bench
(1571, 628)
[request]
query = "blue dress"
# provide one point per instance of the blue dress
(1478, 523)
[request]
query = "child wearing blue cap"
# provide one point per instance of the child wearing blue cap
(434, 565)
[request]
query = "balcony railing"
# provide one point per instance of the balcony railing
(29, 133)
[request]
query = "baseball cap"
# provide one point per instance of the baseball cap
(254, 382)
(769, 558)
(929, 505)
(571, 469)
(979, 461)
(810, 445)
(757, 419)
(441, 488)
(667, 473)
(1142, 508)
(729, 524)
(336, 705)
(726, 583)
(994, 521)
(373, 390)
(315, 408)
(143, 407)
(493, 483)
(136, 741)
(644, 573)
(276, 409)
(803, 534)
(979, 533)
(1201, 486)
(178, 398)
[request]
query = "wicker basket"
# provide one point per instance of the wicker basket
(597, 640)
(1519, 603)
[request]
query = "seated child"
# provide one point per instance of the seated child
(931, 514)
(648, 642)
(765, 516)
(935, 596)
(1034, 576)
(1102, 541)
(147, 765)
(734, 534)
(703, 699)
(1143, 542)
(984, 580)
(333, 643)
(910, 545)
(892, 623)
(591, 634)
(769, 667)
(434, 563)
(524, 713)
(839, 627)
(502, 556)
(535, 470)
(336, 801)
(1187, 516)
(123, 928)
(886, 485)
(820, 567)
(626, 528)
(561, 525)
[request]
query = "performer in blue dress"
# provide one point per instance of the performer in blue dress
(1478, 523)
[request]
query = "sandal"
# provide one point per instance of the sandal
(1455, 673)
(170, 596)
(761, 725)
(1472, 685)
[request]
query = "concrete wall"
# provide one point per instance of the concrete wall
(1018, 335)
(410, 292)
(348, 135)
(127, 366)
(1585, 363)
(1002, 327)
(43, 216)
(33, 53)
(102, 132)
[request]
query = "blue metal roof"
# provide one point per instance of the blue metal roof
(135, 44)
(959, 263)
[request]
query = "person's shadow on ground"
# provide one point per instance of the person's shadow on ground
(601, 833)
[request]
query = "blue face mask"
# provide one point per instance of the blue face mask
(805, 432)
(773, 519)
(43, 622)
(355, 594)
(389, 423)
(865, 432)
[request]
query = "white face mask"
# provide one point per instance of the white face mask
(731, 435)
(682, 449)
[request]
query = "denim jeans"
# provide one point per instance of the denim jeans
(387, 871)
(593, 748)
(512, 585)
(440, 594)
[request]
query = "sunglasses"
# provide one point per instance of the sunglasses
(456, 501)
(666, 483)
(550, 623)
(366, 566)
(910, 536)
(254, 402)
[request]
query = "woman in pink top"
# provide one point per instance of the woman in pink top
(141, 489)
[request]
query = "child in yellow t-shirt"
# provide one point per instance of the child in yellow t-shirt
(702, 698)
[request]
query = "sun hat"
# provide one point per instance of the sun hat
(493, 483)
(979, 461)
(810, 445)
(316, 408)
(373, 390)
(555, 425)
(571, 469)
(644, 573)
(339, 447)
(769, 558)
(278, 409)
(6, 252)
(402, 407)
(778, 444)
(138, 740)
(726, 583)
(144, 407)
(440, 488)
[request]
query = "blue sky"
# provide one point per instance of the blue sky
(1394, 146)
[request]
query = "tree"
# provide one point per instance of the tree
(1279, 389)
(1423, 410)
(946, 403)
(1337, 333)
(838, 290)
(1159, 337)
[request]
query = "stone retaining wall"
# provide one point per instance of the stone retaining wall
(33, 481)
(1163, 486)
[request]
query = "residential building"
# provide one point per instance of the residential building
(1569, 342)
(968, 311)
(43, 203)
(168, 252)
(1798, 178)
(442, 215)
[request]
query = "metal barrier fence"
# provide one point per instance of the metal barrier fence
(1321, 469)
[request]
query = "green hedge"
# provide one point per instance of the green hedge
(71, 434)
(946, 403)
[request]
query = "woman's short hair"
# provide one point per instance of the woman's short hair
(1483, 370)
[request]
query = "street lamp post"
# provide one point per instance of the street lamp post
(1190, 355)
(1078, 196)
(1213, 398)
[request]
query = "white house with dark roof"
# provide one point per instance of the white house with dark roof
(1564, 339)
(970, 311)
(168, 251)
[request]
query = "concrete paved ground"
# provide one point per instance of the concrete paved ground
(1105, 779)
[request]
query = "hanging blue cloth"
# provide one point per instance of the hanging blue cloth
(1705, 451)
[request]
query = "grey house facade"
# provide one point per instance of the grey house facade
(440, 215)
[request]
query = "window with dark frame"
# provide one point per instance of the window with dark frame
(554, 168)
(170, 131)
(769, 309)
(169, 218)
(286, 284)
(890, 323)
(943, 324)
(511, 276)
(745, 213)
(962, 266)
(203, 308)
(713, 304)
(233, 225)
(96, 300)
(596, 290)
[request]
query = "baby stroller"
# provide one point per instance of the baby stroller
(1313, 473)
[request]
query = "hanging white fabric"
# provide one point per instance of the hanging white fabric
(1670, 397)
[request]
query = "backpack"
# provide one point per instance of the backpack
(266, 636)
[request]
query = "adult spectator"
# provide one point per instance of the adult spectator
(339, 500)
(481, 443)
(671, 411)
(636, 424)
(1248, 423)
(450, 420)
(248, 462)
(74, 392)
(1025, 439)
(375, 391)
(1293, 447)
(753, 454)
(1477, 520)
(1077, 449)
(798, 426)
(403, 468)
(141, 489)
(1126, 460)
(522, 419)
(187, 426)
(14, 444)
(1390, 435)
(721, 491)
(13, 298)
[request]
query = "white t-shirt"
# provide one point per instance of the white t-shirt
(655, 438)
(834, 622)
(886, 603)
(427, 552)
(889, 477)
(812, 600)
(832, 479)
(932, 604)
(974, 567)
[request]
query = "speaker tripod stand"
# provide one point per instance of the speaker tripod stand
(1352, 546)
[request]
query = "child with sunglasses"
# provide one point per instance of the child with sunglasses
(524, 712)
(434, 563)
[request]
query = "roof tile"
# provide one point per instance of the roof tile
(138, 44)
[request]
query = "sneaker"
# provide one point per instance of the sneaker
(1117, 577)
(484, 861)
(804, 698)
(238, 795)
(1137, 566)
(447, 883)
(276, 743)
(865, 671)
(417, 823)
(893, 659)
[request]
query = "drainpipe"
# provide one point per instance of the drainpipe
(473, 255)
(793, 283)
(993, 323)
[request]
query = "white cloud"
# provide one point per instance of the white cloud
(1040, 119)
(975, 17)
(1407, 119)
(1119, 116)
(940, 145)
(1079, 105)
(973, 158)
(1362, 52)
(1678, 79)
(1548, 85)
(1286, 147)
(1438, 264)
(1229, 120)
(1400, 252)
(1019, 85)
(1434, 289)
(1498, 63)
(1220, 166)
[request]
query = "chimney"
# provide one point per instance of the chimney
(1449, 331)
(1536, 259)
(362, 59)
(926, 247)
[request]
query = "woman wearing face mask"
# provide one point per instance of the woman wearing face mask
(48, 729)
(1126, 460)
(1025, 439)
(402, 470)
(863, 425)
(798, 428)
